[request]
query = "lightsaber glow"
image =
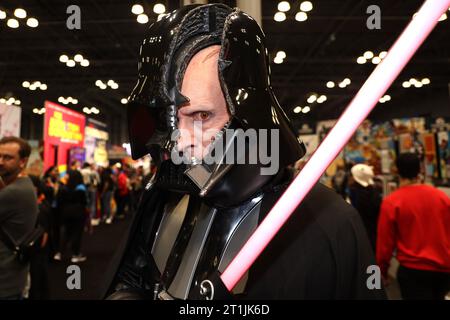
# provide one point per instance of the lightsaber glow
(365, 100)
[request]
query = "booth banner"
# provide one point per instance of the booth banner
(95, 141)
(10, 117)
(35, 165)
(444, 154)
(63, 130)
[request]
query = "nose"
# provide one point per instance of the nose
(185, 142)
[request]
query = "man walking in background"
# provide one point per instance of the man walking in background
(415, 220)
(18, 214)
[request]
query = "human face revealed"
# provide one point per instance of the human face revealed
(206, 110)
(10, 162)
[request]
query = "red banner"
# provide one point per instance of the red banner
(63, 130)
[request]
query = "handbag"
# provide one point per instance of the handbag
(24, 250)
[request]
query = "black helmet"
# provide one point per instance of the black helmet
(244, 74)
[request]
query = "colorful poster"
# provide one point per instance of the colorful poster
(63, 130)
(95, 141)
(9, 120)
(430, 156)
(444, 154)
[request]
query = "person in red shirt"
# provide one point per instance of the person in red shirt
(415, 220)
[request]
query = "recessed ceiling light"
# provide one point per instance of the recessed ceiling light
(382, 54)
(418, 84)
(2, 15)
(312, 98)
(279, 16)
(32, 22)
(301, 16)
(426, 81)
(78, 58)
(443, 17)
(330, 84)
(137, 9)
(361, 60)
(306, 6)
(368, 55)
(347, 81)
(281, 54)
(43, 86)
(341, 84)
(376, 60)
(306, 109)
(25, 84)
(284, 6)
(12, 23)
(142, 18)
(322, 99)
(70, 63)
(406, 84)
(124, 101)
(159, 8)
(278, 60)
(84, 63)
(297, 109)
(20, 13)
(63, 58)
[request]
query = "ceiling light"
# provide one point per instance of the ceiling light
(306, 6)
(284, 6)
(75, 101)
(368, 55)
(124, 101)
(35, 110)
(281, 54)
(301, 16)
(17, 102)
(443, 17)
(110, 82)
(115, 86)
(70, 63)
(406, 84)
(63, 58)
(43, 86)
(306, 109)
(11, 100)
(418, 84)
(137, 9)
(312, 98)
(322, 99)
(361, 60)
(347, 81)
(42, 111)
(382, 54)
(297, 109)
(2, 14)
(20, 13)
(279, 16)
(103, 86)
(330, 84)
(412, 81)
(376, 60)
(78, 58)
(13, 23)
(2, 100)
(159, 8)
(61, 99)
(37, 83)
(84, 63)
(387, 97)
(98, 83)
(32, 87)
(69, 99)
(142, 18)
(381, 100)
(425, 81)
(32, 22)
(87, 110)
(278, 60)
(25, 84)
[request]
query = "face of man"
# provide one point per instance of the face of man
(206, 112)
(10, 162)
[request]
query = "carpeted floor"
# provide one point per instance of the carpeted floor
(99, 247)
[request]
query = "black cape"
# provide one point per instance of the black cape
(322, 252)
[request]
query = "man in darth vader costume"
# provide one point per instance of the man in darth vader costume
(205, 69)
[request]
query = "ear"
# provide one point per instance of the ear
(23, 163)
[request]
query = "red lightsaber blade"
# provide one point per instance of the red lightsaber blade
(365, 100)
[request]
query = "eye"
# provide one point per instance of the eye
(202, 115)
